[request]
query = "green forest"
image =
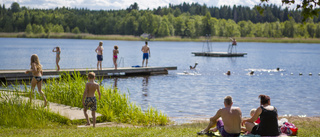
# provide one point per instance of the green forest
(184, 20)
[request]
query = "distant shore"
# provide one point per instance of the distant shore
(171, 38)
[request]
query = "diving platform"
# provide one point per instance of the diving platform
(12, 75)
(219, 54)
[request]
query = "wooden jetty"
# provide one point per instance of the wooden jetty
(12, 75)
(219, 54)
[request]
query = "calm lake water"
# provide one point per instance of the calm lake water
(191, 96)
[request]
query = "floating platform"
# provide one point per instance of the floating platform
(12, 75)
(219, 54)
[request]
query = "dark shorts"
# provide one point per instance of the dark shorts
(145, 56)
(99, 57)
(220, 127)
(255, 130)
(90, 102)
(38, 78)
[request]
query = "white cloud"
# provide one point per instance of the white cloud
(123, 4)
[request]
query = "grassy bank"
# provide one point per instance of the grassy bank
(114, 105)
(171, 38)
(17, 113)
(307, 128)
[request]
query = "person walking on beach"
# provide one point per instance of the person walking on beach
(115, 56)
(146, 53)
(268, 125)
(99, 51)
(36, 70)
(89, 100)
(58, 51)
(230, 125)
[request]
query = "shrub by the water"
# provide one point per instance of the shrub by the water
(114, 105)
(18, 113)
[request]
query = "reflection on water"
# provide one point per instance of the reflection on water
(145, 82)
(145, 86)
(115, 83)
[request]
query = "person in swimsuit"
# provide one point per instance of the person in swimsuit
(58, 51)
(252, 111)
(89, 100)
(146, 53)
(99, 51)
(115, 56)
(194, 67)
(36, 70)
(234, 42)
(268, 125)
(228, 72)
(230, 125)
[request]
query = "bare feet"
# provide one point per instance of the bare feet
(88, 124)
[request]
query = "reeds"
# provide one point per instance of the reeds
(17, 112)
(114, 105)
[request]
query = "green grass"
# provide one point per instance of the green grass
(114, 105)
(306, 129)
(17, 113)
(160, 131)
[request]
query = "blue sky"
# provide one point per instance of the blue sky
(123, 4)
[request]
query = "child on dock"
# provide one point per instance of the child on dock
(90, 100)
(99, 51)
(115, 56)
(58, 51)
(36, 70)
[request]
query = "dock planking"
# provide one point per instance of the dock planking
(12, 75)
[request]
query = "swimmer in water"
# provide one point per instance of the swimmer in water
(195, 65)
(251, 73)
(228, 73)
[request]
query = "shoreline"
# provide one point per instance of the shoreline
(192, 120)
(171, 38)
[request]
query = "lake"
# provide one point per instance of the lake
(191, 96)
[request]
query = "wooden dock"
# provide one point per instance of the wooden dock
(219, 54)
(12, 75)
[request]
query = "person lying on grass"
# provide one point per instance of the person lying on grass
(230, 125)
(90, 101)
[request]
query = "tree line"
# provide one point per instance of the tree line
(183, 20)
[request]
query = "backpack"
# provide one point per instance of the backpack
(289, 128)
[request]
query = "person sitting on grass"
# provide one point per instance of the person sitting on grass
(252, 111)
(230, 125)
(268, 114)
(90, 100)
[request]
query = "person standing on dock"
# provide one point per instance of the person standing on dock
(36, 70)
(58, 51)
(99, 51)
(115, 56)
(234, 42)
(146, 53)
(89, 100)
